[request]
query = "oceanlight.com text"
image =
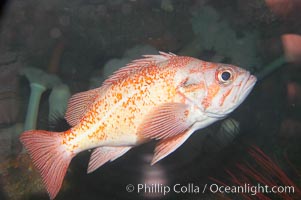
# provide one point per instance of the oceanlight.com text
(251, 189)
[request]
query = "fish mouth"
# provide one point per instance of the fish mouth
(250, 83)
(247, 86)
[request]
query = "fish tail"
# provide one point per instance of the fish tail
(49, 156)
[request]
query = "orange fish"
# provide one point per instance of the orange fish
(163, 97)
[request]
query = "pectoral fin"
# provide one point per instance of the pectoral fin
(165, 121)
(101, 155)
(169, 145)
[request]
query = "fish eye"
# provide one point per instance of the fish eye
(224, 76)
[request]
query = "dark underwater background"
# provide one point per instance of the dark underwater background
(72, 46)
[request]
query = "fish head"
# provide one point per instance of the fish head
(218, 89)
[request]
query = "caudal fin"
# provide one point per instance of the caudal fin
(49, 156)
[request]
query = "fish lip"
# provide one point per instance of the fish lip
(251, 81)
(247, 86)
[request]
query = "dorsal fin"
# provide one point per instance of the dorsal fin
(136, 65)
(79, 104)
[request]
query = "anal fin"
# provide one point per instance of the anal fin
(101, 155)
(169, 145)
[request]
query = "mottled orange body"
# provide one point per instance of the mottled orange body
(164, 97)
(113, 119)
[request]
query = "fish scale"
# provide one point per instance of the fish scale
(163, 97)
(92, 129)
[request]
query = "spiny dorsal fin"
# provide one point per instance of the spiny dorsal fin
(136, 65)
(79, 104)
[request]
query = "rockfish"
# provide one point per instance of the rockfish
(163, 97)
